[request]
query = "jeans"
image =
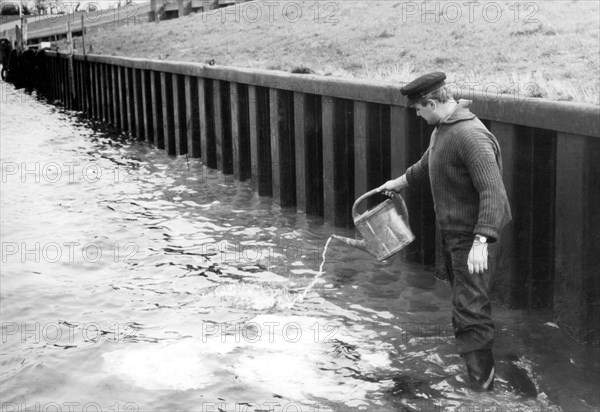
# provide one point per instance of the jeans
(471, 315)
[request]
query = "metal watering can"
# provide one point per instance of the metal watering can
(384, 231)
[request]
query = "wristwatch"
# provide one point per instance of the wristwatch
(481, 239)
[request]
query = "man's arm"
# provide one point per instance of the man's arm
(482, 165)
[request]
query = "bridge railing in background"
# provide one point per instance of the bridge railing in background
(316, 143)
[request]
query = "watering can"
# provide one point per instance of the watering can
(384, 231)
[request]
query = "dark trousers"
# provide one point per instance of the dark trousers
(471, 315)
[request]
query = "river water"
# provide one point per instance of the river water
(132, 281)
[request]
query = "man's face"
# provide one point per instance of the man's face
(427, 112)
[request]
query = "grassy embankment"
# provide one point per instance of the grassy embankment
(546, 49)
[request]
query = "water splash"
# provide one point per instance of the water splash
(301, 297)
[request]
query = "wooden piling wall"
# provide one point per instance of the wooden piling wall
(316, 143)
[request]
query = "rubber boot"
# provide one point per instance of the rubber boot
(480, 365)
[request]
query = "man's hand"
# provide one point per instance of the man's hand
(478, 257)
(393, 186)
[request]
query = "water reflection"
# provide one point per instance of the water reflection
(158, 284)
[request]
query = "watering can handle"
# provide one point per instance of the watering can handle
(403, 209)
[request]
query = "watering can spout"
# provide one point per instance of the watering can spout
(359, 244)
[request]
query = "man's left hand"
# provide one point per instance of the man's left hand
(478, 258)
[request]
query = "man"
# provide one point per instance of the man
(464, 167)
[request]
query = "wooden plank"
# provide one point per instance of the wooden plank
(361, 150)
(203, 121)
(235, 129)
(282, 143)
(302, 161)
(577, 261)
(226, 140)
(107, 95)
(218, 123)
(308, 153)
(128, 123)
(137, 103)
(100, 80)
(192, 117)
(100, 90)
(157, 118)
(115, 94)
(179, 115)
(329, 195)
(253, 123)
(240, 113)
(166, 91)
(146, 105)
(276, 160)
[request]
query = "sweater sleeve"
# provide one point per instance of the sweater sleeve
(482, 164)
(418, 173)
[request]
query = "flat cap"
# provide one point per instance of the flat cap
(423, 85)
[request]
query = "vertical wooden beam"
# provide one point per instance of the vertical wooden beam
(157, 119)
(361, 150)
(128, 118)
(577, 284)
(192, 117)
(99, 71)
(226, 140)
(179, 115)
(97, 91)
(338, 160)
(308, 153)
(166, 91)
(240, 131)
(203, 122)
(107, 94)
(218, 123)
(115, 95)
(283, 168)
(146, 104)
(207, 129)
(253, 129)
(137, 103)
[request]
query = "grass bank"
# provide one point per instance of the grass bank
(545, 49)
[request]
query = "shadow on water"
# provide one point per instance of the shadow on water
(193, 304)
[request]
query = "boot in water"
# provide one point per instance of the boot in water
(480, 365)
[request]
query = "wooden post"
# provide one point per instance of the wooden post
(308, 153)
(180, 8)
(222, 124)
(260, 141)
(147, 106)
(192, 117)
(240, 138)
(166, 91)
(207, 135)
(137, 91)
(71, 80)
(179, 115)
(361, 151)
(283, 168)
(128, 100)
(157, 120)
(115, 96)
(338, 161)
(576, 284)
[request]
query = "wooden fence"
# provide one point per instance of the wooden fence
(315, 143)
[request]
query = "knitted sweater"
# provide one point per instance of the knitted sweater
(464, 166)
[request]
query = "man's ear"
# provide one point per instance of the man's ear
(433, 104)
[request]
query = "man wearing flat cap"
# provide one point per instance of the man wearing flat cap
(463, 165)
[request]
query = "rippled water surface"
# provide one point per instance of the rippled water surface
(132, 280)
